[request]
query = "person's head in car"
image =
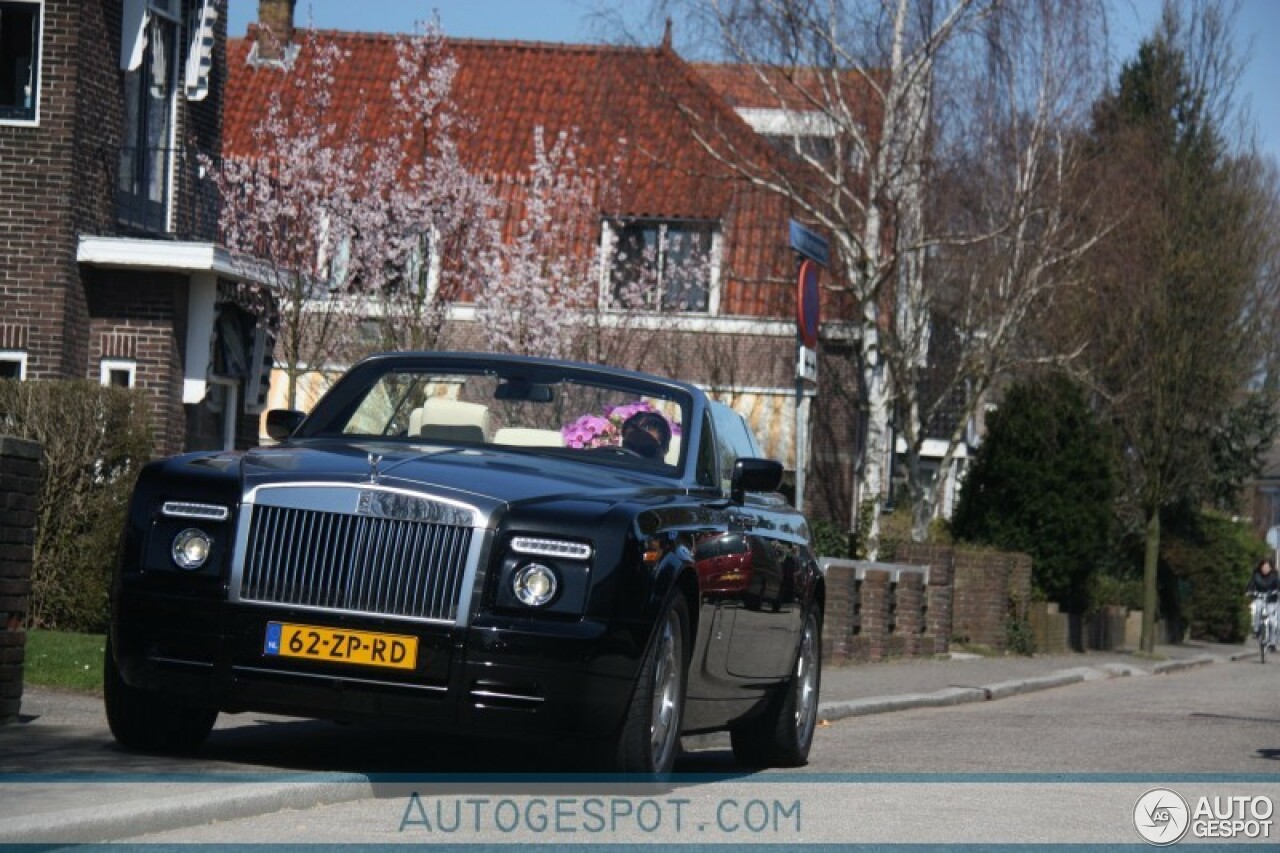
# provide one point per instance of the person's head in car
(647, 434)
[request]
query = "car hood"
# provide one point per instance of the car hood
(486, 478)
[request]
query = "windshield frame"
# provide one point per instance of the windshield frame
(336, 408)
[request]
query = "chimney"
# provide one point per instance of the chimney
(275, 28)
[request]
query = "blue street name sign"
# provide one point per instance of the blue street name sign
(809, 243)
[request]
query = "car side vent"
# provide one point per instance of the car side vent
(501, 695)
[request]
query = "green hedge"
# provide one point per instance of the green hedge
(1210, 559)
(95, 440)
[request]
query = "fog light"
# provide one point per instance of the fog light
(191, 548)
(534, 584)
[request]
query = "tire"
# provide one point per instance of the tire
(144, 721)
(650, 736)
(783, 734)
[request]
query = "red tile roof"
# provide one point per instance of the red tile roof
(776, 87)
(607, 94)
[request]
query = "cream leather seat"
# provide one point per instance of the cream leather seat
(450, 420)
(525, 437)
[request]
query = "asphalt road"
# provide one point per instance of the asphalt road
(1063, 765)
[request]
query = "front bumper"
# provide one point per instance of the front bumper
(496, 676)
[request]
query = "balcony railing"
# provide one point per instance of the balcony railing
(165, 192)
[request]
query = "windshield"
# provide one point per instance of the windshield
(594, 417)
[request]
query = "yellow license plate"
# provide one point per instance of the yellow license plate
(341, 646)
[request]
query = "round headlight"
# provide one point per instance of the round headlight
(534, 584)
(191, 548)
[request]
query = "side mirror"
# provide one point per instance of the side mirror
(282, 422)
(754, 475)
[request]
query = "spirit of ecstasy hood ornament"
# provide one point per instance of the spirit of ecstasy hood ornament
(373, 468)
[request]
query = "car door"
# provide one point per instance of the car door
(766, 622)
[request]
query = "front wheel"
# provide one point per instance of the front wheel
(650, 736)
(783, 734)
(145, 721)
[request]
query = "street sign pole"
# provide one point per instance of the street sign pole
(802, 426)
(808, 301)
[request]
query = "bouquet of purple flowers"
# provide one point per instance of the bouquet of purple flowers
(606, 430)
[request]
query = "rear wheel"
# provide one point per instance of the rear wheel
(783, 734)
(1260, 628)
(145, 721)
(650, 736)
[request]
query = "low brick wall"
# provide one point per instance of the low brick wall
(935, 594)
(984, 586)
(878, 610)
(841, 612)
(20, 480)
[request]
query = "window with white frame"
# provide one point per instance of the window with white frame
(149, 54)
(118, 372)
(806, 134)
(665, 265)
(20, 22)
(13, 364)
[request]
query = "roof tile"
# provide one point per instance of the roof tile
(619, 100)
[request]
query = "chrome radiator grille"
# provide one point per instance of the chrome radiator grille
(357, 563)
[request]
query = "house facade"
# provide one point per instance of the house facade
(109, 264)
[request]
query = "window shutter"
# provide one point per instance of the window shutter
(200, 56)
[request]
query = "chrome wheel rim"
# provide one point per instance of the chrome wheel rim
(665, 712)
(806, 681)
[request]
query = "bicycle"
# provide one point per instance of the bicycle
(1264, 620)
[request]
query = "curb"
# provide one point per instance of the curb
(1179, 665)
(956, 695)
(831, 711)
(131, 819)
(1003, 689)
(902, 702)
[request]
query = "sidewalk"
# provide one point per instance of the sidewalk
(49, 762)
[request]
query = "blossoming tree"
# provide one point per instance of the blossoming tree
(290, 204)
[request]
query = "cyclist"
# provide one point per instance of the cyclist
(1265, 581)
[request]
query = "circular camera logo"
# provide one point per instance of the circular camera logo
(1161, 816)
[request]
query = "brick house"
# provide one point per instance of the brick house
(109, 266)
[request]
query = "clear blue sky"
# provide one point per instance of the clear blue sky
(1258, 29)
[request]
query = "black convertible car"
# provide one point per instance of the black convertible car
(482, 544)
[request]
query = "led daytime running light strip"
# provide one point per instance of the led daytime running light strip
(209, 512)
(551, 548)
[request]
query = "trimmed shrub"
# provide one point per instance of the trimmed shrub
(830, 540)
(1210, 558)
(95, 440)
(1042, 484)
